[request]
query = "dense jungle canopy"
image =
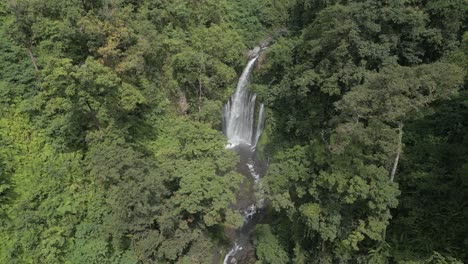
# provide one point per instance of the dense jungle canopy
(111, 149)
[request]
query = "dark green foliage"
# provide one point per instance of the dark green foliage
(267, 246)
(86, 174)
(110, 118)
(432, 216)
(342, 91)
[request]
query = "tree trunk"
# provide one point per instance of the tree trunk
(200, 87)
(93, 114)
(33, 59)
(395, 166)
(397, 158)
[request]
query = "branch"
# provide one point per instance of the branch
(397, 158)
(33, 59)
(200, 85)
(324, 140)
(93, 114)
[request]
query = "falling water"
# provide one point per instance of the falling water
(261, 123)
(238, 126)
(239, 113)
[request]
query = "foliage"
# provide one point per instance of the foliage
(268, 250)
(110, 112)
(342, 90)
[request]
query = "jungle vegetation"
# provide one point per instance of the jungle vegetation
(111, 148)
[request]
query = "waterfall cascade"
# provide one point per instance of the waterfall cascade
(238, 126)
(239, 113)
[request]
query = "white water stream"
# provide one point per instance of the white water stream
(238, 126)
(239, 113)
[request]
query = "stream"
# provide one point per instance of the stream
(239, 119)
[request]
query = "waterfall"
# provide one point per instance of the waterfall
(239, 117)
(239, 113)
(261, 123)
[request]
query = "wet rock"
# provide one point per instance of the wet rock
(182, 104)
(282, 32)
(254, 52)
(266, 43)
